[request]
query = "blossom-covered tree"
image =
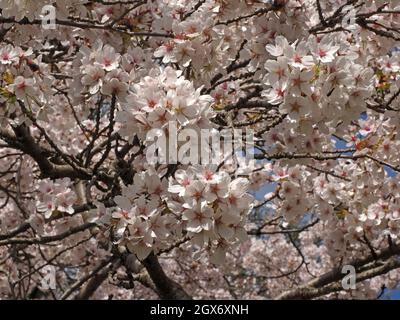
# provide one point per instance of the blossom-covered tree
(317, 82)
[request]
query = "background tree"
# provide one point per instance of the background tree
(316, 80)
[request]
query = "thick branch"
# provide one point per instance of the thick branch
(166, 287)
(316, 287)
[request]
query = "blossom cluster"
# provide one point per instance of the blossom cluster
(77, 104)
(317, 81)
(207, 207)
(161, 97)
(55, 197)
(33, 9)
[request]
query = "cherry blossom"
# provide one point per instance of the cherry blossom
(84, 190)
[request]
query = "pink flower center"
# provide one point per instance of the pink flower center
(386, 147)
(185, 182)
(125, 214)
(322, 53)
(280, 92)
(158, 190)
(297, 82)
(22, 85)
(297, 58)
(208, 175)
(107, 62)
(151, 103)
(232, 200)
(280, 72)
(169, 46)
(198, 194)
(192, 29)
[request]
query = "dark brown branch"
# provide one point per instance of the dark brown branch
(48, 239)
(166, 287)
(313, 288)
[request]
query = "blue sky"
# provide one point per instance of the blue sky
(391, 295)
